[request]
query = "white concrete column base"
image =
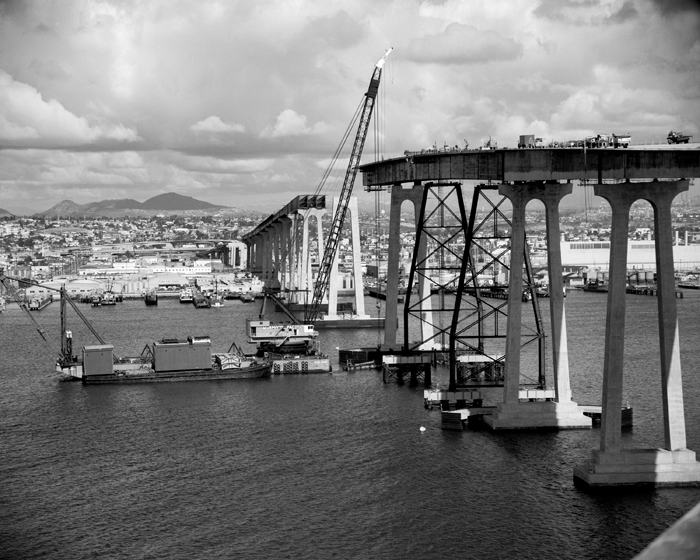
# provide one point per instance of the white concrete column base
(534, 415)
(655, 467)
(344, 317)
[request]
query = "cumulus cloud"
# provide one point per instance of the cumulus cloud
(206, 164)
(291, 123)
(29, 120)
(463, 44)
(215, 124)
(578, 12)
(167, 92)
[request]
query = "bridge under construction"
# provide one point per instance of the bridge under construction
(453, 311)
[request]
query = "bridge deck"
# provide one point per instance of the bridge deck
(538, 164)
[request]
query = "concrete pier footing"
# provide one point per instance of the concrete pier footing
(537, 415)
(646, 467)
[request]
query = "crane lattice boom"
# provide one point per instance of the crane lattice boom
(331, 246)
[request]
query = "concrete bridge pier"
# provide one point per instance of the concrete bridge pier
(286, 256)
(267, 262)
(358, 286)
(305, 283)
(561, 412)
(399, 194)
(674, 464)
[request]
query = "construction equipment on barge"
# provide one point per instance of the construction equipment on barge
(167, 360)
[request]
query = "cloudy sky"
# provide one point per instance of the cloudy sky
(243, 103)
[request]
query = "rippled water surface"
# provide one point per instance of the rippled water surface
(316, 466)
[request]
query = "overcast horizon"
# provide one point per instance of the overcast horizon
(243, 103)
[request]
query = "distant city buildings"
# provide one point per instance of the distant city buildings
(199, 246)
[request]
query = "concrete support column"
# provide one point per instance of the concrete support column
(303, 263)
(620, 199)
(551, 196)
(399, 194)
(357, 259)
(285, 225)
(267, 255)
(674, 465)
(424, 286)
(559, 412)
(671, 381)
(274, 278)
(519, 197)
(259, 251)
(307, 282)
(333, 279)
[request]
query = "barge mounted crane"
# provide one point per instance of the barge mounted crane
(293, 347)
(331, 246)
(167, 360)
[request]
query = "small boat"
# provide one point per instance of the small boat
(597, 285)
(200, 300)
(151, 297)
(109, 298)
(246, 297)
(186, 295)
(39, 303)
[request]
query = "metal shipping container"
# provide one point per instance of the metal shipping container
(181, 355)
(97, 359)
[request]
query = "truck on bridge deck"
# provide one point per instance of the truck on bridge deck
(678, 138)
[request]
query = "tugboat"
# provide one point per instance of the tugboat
(151, 297)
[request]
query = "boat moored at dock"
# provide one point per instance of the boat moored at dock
(151, 297)
(186, 295)
(39, 303)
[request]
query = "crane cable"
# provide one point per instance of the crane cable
(348, 131)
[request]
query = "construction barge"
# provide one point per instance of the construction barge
(168, 360)
(189, 359)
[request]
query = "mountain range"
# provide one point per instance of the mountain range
(168, 202)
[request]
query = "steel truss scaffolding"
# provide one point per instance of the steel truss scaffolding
(477, 329)
(437, 260)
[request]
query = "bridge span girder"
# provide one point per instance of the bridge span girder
(541, 164)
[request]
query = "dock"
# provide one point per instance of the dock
(650, 291)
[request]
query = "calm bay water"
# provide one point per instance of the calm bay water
(316, 466)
